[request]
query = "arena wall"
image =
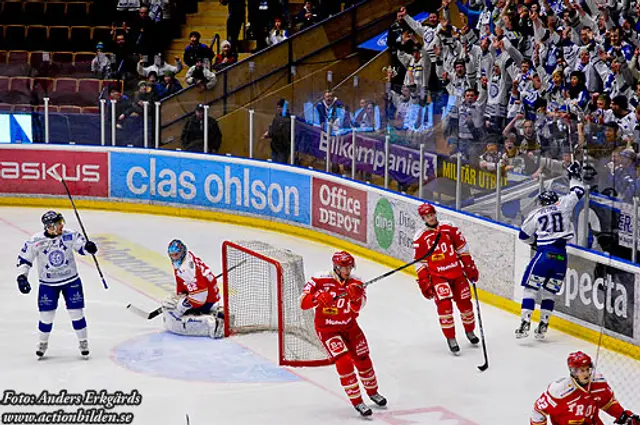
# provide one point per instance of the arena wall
(370, 221)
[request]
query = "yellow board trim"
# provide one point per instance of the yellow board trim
(510, 306)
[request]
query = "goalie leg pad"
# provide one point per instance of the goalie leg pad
(189, 325)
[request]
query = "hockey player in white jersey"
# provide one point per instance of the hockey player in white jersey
(549, 228)
(53, 250)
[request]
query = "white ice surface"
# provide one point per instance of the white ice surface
(423, 382)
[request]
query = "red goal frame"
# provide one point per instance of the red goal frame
(280, 289)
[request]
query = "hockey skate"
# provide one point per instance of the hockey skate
(472, 338)
(84, 348)
(541, 330)
(523, 330)
(453, 346)
(42, 348)
(378, 400)
(363, 409)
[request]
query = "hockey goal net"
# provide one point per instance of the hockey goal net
(262, 286)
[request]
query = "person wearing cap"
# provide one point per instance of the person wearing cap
(200, 76)
(195, 50)
(192, 138)
(226, 58)
(101, 64)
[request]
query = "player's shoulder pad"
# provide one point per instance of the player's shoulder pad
(37, 237)
(447, 224)
(356, 279)
(561, 388)
(68, 235)
(319, 276)
(599, 379)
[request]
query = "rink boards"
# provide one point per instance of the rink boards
(370, 221)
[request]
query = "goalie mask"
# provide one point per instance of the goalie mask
(177, 252)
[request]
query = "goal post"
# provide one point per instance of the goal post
(262, 285)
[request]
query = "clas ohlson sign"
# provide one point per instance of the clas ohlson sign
(214, 182)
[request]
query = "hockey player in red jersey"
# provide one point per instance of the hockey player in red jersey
(338, 298)
(194, 309)
(579, 398)
(441, 276)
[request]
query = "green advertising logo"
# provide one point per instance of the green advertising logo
(384, 223)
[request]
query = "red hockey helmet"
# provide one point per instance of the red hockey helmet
(343, 259)
(425, 209)
(579, 359)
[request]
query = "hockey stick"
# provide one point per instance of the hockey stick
(84, 232)
(485, 365)
(389, 273)
(155, 313)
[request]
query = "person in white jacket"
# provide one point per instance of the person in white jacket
(160, 67)
(199, 75)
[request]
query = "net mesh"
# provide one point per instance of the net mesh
(255, 301)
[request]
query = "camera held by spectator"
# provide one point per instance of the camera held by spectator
(200, 76)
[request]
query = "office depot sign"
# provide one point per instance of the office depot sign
(36, 171)
(340, 209)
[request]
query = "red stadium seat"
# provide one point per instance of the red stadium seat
(69, 109)
(64, 91)
(15, 37)
(34, 13)
(52, 109)
(111, 83)
(37, 37)
(3, 57)
(43, 86)
(88, 91)
(83, 59)
(78, 13)
(91, 110)
(81, 39)
(20, 89)
(12, 12)
(18, 56)
(5, 107)
(24, 108)
(64, 62)
(4, 89)
(58, 38)
(56, 13)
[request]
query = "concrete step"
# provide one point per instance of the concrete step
(206, 32)
(211, 7)
(207, 18)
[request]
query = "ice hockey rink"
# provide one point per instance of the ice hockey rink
(237, 380)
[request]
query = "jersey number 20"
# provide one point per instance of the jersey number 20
(553, 219)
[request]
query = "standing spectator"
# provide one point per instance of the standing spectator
(280, 134)
(277, 33)
(160, 12)
(394, 43)
(101, 64)
(123, 106)
(195, 50)
(124, 66)
(143, 33)
(235, 19)
(226, 58)
(160, 67)
(193, 133)
(308, 16)
(200, 76)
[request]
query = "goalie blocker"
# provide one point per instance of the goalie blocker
(193, 310)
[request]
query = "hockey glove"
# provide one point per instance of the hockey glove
(470, 268)
(324, 299)
(90, 247)
(355, 291)
(23, 284)
(628, 418)
(424, 282)
(574, 171)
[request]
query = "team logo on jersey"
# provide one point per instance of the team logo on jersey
(56, 258)
(429, 37)
(437, 257)
(330, 311)
(336, 345)
(67, 237)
